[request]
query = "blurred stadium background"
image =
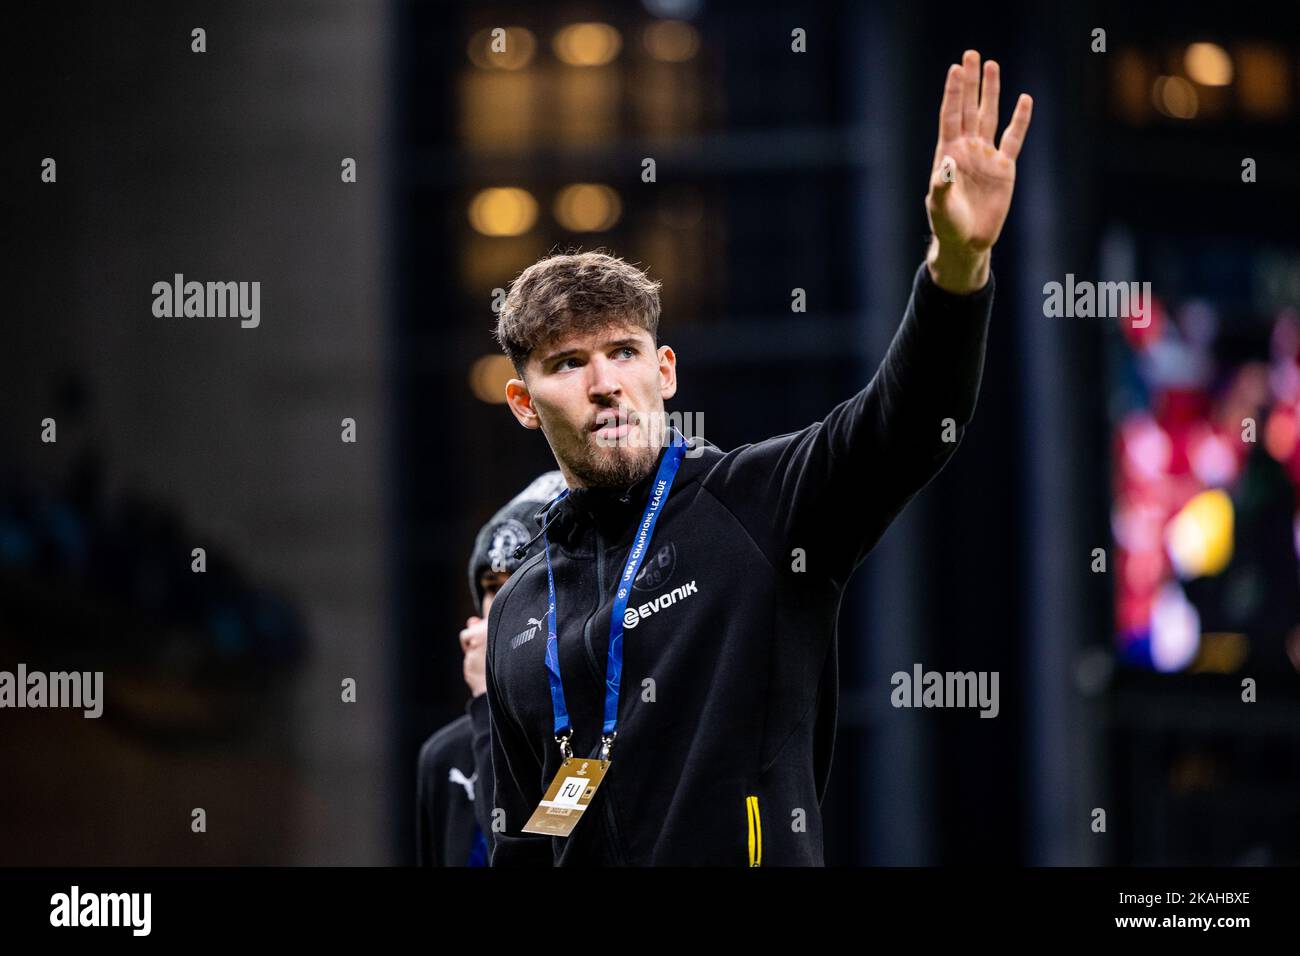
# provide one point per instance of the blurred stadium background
(775, 170)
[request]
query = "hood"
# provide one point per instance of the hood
(510, 527)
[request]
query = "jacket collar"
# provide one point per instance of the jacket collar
(607, 509)
(612, 512)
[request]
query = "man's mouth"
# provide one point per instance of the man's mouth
(613, 424)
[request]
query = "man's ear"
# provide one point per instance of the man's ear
(667, 372)
(520, 401)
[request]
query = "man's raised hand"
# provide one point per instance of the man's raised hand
(473, 641)
(972, 178)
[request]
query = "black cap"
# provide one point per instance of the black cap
(509, 529)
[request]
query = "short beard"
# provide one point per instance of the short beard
(619, 470)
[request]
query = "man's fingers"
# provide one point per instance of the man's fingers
(471, 637)
(1014, 136)
(970, 91)
(988, 114)
(950, 108)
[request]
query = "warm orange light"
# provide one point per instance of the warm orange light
(1263, 81)
(503, 211)
(587, 44)
(672, 41)
(587, 207)
(1174, 96)
(1208, 64)
(488, 376)
(1131, 85)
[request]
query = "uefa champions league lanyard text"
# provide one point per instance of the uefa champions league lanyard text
(614, 667)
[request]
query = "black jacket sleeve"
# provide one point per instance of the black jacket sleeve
(426, 853)
(832, 489)
(481, 726)
(516, 775)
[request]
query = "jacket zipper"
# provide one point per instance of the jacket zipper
(592, 664)
(611, 825)
(755, 831)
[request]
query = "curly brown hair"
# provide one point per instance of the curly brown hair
(575, 292)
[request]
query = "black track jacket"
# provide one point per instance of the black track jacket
(451, 772)
(730, 681)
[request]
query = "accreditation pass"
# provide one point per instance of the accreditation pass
(567, 797)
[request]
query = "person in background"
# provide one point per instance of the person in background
(454, 770)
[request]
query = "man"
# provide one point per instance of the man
(454, 771)
(681, 709)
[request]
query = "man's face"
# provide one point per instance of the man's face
(491, 582)
(599, 399)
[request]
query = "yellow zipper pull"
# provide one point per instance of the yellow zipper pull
(755, 831)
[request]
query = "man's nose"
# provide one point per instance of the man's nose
(604, 381)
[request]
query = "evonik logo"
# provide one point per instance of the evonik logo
(635, 615)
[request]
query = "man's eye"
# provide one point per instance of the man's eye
(562, 364)
(631, 352)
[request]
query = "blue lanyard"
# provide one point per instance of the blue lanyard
(614, 668)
